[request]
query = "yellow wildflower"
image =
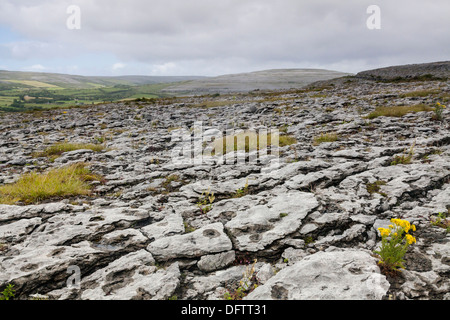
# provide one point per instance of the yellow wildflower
(402, 223)
(406, 226)
(413, 227)
(410, 239)
(384, 232)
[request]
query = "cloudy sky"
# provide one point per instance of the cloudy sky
(210, 37)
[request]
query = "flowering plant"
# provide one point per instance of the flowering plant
(438, 110)
(394, 244)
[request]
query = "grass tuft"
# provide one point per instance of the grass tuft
(251, 141)
(375, 187)
(405, 158)
(57, 150)
(287, 140)
(327, 137)
(58, 183)
(398, 111)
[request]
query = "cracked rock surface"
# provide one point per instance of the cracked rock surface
(303, 223)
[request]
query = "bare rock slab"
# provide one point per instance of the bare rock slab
(343, 275)
(132, 277)
(261, 225)
(207, 240)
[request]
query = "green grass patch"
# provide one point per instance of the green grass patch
(59, 183)
(375, 187)
(420, 93)
(398, 111)
(250, 141)
(57, 150)
(325, 137)
(286, 140)
(36, 84)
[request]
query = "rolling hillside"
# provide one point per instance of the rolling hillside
(276, 79)
(22, 91)
(66, 81)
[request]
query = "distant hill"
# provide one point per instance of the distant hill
(53, 80)
(260, 80)
(437, 70)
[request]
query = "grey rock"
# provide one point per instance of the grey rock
(205, 286)
(261, 225)
(215, 262)
(18, 230)
(346, 275)
(207, 240)
(132, 277)
(172, 224)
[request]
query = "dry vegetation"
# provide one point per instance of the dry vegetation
(398, 111)
(63, 182)
(57, 150)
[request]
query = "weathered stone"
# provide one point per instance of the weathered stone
(346, 275)
(217, 261)
(132, 277)
(172, 224)
(261, 225)
(207, 240)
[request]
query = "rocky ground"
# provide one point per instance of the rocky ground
(306, 229)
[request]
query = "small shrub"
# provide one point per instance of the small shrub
(404, 158)
(58, 183)
(327, 137)
(248, 283)
(442, 220)
(438, 109)
(188, 228)
(167, 184)
(206, 201)
(375, 187)
(394, 244)
(308, 240)
(8, 293)
(242, 192)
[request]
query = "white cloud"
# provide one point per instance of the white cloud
(118, 66)
(164, 69)
(209, 37)
(35, 68)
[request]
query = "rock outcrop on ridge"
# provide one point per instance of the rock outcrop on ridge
(436, 70)
(300, 224)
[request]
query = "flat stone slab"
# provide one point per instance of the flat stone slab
(339, 275)
(207, 240)
(261, 225)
